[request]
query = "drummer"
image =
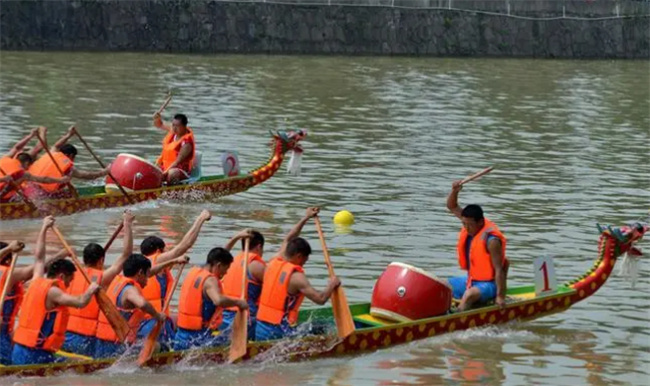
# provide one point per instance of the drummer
(178, 149)
(64, 154)
(482, 252)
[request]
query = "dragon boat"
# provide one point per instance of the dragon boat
(216, 185)
(372, 333)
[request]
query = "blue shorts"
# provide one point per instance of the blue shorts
(106, 349)
(5, 348)
(268, 331)
(187, 339)
(21, 355)
(488, 289)
(166, 334)
(79, 344)
(229, 317)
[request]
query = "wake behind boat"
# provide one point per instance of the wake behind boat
(373, 333)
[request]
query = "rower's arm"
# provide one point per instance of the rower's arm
(89, 175)
(18, 147)
(156, 269)
(188, 239)
(183, 154)
(211, 289)
(257, 269)
(138, 301)
(158, 122)
(300, 283)
(246, 233)
(46, 180)
(295, 231)
(39, 253)
(57, 297)
(496, 256)
(63, 140)
(26, 273)
(111, 272)
(452, 199)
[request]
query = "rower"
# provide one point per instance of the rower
(286, 285)
(202, 301)
(481, 251)
(44, 312)
(179, 150)
(125, 291)
(64, 154)
(158, 285)
(232, 286)
(15, 164)
(82, 325)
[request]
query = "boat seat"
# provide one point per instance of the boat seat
(367, 320)
(196, 173)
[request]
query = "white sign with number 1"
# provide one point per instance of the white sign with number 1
(545, 281)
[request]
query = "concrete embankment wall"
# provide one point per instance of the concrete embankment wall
(205, 26)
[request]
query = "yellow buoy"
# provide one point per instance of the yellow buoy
(344, 218)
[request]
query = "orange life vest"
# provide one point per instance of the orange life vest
(14, 294)
(44, 167)
(480, 263)
(13, 168)
(275, 293)
(83, 321)
(171, 148)
(232, 280)
(133, 316)
(34, 315)
(190, 305)
(152, 292)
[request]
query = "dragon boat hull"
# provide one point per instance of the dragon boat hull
(372, 333)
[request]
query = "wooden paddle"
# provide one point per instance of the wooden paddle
(477, 175)
(165, 103)
(152, 338)
(239, 337)
(340, 308)
(109, 309)
(19, 191)
(131, 201)
(5, 288)
(113, 237)
(41, 139)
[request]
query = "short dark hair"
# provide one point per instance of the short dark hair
(219, 255)
(136, 263)
(24, 157)
(298, 245)
(93, 253)
(473, 211)
(151, 245)
(65, 267)
(256, 239)
(68, 150)
(182, 118)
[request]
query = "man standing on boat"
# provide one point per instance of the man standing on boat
(481, 252)
(44, 312)
(82, 325)
(285, 286)
(64, 154)
(202, 302)
(177, 157)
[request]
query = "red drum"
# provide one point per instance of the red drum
(404, 293)
(133, 173)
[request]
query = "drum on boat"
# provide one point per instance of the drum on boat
(133, 173)
(403, 293)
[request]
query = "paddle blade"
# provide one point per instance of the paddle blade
(119, 324)
(149, 344)
(239, 338)
(342, 314)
